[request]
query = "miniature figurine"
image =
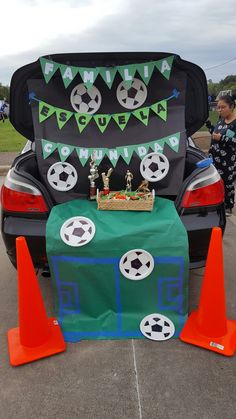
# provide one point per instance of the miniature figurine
(93, 175)
(143, 187)
(106, 180)
(129, 177)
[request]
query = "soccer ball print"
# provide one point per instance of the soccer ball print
(62, 176)
(85, 100)
(156, 326)
(131, 97)
(154, 167)
(77, 231)
(136, 264)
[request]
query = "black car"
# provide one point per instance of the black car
(193, 183)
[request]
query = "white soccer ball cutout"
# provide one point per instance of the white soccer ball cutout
(156, 326)
(136, 264)
(77, 231)
(132, 97)
(154, 167)
(62, 176)
(85, 100)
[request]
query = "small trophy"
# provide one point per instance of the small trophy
(93, 175)
(129, 177)
(106, 180)
(143, 187)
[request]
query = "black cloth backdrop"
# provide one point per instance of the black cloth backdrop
(135, 132)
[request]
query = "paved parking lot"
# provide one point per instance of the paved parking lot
(128, 379)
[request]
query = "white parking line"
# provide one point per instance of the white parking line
(136, 379)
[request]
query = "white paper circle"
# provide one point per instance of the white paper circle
(154, 167)
(85, 100)
(136, 264)
(62, 176)
(156, 326)
(132, 97)
(77, 231)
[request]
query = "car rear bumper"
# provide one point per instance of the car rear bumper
(198, 226)
(33, 230)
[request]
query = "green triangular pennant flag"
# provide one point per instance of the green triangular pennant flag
(88, 75)
(126, 152)
(108, 75)
(127, 73)
(48, 147)
(68, 73)
(142, 114)
(99, 153)
(160, 108)
(83, 154)
(145, 70)
(165, 65)
(158, 145)
(45, 111)
(48, 68)
(65, 150)
(62, 116)
(113, 155)
(82, 120)
(141, 149)
(102, 120)
(121, 119)
(173, 141)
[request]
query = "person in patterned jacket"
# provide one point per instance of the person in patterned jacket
(223, 147)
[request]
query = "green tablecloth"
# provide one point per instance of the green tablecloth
(93, 298)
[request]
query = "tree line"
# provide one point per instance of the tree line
(228, 83)
(4, 92)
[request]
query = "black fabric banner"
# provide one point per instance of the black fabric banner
(102, 103)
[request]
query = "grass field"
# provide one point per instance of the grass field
(213, 116)
(11, 140)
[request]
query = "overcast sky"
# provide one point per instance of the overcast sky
(201, 31)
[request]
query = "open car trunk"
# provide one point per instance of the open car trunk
(119, 107)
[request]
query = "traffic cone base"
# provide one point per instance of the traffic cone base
(224, 345)
(20, 354)
(37, 335)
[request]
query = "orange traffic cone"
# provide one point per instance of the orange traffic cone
(37, 336)
(208, 326)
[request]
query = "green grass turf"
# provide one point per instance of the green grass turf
(10, 139)
(213, 117)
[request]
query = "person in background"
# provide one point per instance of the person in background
(223, 147)
(2, 110)
(209, 100)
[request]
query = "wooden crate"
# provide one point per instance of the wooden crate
(125, 205)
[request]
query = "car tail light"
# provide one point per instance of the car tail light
(204, 191)
(18, 196)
